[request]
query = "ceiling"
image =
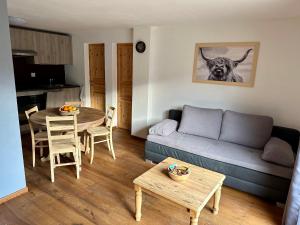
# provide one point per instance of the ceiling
(75, 15)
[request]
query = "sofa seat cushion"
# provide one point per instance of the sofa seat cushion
(201, 122)
(222, 151)
(245, 129)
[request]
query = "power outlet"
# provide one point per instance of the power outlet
(32, 75)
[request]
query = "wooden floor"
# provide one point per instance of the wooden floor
(104, 195)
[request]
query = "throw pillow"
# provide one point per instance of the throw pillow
(164, 128)
(279, 152)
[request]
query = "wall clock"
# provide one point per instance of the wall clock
(140, 46)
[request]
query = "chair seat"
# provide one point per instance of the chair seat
(63, 146)
(41, 136)
(98, 131)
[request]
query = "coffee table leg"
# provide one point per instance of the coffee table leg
(217, 201)
(138, 202)
(194, 217)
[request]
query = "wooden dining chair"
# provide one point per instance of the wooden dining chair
(39, 138)
(102, 131)
(63, 139)
(83, 133)
(75, 103)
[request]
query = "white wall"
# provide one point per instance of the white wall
(276, 92)
(162, 76)
(78, 73)
(141, 70)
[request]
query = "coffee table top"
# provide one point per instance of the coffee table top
(193, 193)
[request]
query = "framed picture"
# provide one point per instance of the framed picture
(230, 63)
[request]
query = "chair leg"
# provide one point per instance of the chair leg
(79, 156)
(41, 150)
(58, 158)
(108, 143)
(111, 146)
(33, 153)
(87, 145)
(92, 148)
(77, 171)
(52, 163)
(84, 140)
(76, 158)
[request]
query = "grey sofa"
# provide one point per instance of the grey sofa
(242, 165)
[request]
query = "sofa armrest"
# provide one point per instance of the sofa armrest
(164, 128)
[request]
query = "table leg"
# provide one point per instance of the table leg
(82, 147)
(217, 200)
(194, 217)
(138, 202)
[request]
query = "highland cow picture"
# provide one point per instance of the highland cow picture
(226, 63)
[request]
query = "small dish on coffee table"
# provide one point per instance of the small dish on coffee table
(178, 172)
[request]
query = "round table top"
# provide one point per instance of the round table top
(87, 117)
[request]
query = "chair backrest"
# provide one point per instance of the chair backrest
(60, 128)
(31, 111)
(28, 113)
(75, 103)
(109, 118)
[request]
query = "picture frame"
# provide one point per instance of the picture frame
(226, 63)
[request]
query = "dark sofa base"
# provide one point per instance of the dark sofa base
(264, 185)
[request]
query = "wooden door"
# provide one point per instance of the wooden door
(97, 76)
(124, 58)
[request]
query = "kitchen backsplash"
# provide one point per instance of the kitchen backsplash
(31, 76)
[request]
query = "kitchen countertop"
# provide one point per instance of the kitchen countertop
(43, 89)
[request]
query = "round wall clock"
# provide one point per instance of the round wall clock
(140, 46)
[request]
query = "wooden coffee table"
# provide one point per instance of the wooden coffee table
(193, 193)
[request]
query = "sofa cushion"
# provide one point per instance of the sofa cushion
(222, 151)
(245, 129)
(164, 128)
(279, 152)
(200, 121)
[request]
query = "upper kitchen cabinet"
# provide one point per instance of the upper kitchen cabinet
(51, 48)
(43, 45)
(21, 39)
(63, 49)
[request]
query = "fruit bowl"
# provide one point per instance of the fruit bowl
(68, 110)
(178, 172)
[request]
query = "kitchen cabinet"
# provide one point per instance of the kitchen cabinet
(43, 47)
(51, 48)
(21, 39)
(63, 49)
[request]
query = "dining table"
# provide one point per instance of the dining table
(87, 117)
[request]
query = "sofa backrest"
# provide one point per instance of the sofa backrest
(210, 120)
(246, 129)
(289, 135)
